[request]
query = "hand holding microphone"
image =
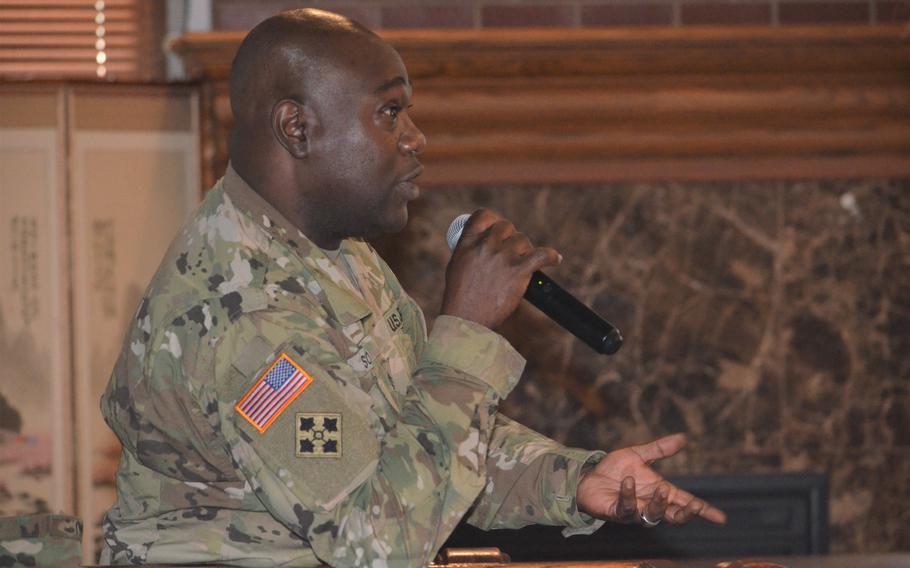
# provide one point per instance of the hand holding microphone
(490, 269)
(487, 248)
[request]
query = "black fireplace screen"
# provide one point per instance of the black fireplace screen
(768, 515)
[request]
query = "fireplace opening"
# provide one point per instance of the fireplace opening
(767, 515)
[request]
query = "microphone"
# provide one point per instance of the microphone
(561, 306)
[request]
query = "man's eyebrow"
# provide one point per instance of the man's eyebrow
(390, 84)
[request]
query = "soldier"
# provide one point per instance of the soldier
(278, 397)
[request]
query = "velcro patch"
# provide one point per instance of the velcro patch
(275, 390)
(318, 435)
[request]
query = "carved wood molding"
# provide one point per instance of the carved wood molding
(565, 106)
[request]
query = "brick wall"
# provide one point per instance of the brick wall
(400, 14)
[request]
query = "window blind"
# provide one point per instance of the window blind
(64, 39)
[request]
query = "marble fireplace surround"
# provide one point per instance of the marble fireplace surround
(737, 201)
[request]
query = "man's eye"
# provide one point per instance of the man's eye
(391, 111)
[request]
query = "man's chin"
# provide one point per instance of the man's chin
(389, 225)
(397, 225)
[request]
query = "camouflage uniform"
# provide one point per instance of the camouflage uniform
(41, 540)
(391, 439)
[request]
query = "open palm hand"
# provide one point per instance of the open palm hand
(623, 488)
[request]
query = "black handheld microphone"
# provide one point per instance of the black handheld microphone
(561, 306)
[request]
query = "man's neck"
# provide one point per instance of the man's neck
(285, 202)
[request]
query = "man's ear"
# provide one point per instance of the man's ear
(291, 125)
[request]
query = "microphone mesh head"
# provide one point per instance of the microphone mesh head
(453, 235)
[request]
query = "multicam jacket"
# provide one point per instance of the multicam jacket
(277, 407)
(41, 539)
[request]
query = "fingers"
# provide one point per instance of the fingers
(478, 223)
(711, 513)
(668, 502)
(660, 448)
(500, 231)
(656, 508)
(627, 504)
(683, 507)
(698, 508)
(685, 514)
(526, 255)
(486, 226)
(542, 256)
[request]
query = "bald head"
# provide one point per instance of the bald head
(281, 56)
(321, 125)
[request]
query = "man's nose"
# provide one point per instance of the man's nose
(412, 140)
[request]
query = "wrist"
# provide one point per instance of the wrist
(584, 473)
(467, 315)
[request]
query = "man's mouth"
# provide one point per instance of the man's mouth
(411, 191)
(412, 175)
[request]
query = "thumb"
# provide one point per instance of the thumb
(540, 257)
(661, 448)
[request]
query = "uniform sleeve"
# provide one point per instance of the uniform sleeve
(532, 479)
(360, 491)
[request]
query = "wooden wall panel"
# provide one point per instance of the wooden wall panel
(554, 106)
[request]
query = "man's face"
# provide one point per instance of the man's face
(364, 150)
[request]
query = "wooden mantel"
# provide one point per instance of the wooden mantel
(587, 106)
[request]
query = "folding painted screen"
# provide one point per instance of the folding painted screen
(95, 182)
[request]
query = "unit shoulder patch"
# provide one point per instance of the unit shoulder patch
(274, 391)
(318, 435)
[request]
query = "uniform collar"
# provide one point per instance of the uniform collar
(276, 225)
(344, 300)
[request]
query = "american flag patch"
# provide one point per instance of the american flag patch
(273, 392)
